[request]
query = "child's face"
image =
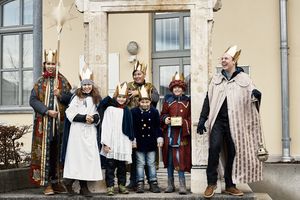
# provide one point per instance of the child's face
(177, 91)
(121, 99)
(50, 67)
(87, 88)
(145, 104)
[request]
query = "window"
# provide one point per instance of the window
(16, 54)
(171, 32)
(171, 49)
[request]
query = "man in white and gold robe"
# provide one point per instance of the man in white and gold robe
(231, 110)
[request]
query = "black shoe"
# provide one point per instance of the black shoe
(140, 187)
(70, 190)
(154, 187)
(131, 186)
(84, 189)
(85, 192)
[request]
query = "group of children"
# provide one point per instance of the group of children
(123, 130)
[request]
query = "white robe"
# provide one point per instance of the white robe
(82, 156)
(113, 136)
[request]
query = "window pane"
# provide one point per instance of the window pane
(28, 12)
(11, 13)
(187, 78)
(165, 77)
(10, 88)
(167, 34)
(186, 27)
(10, 51)
(27, 86)
(27, 51)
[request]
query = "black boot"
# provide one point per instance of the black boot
(84, 189)
(154, 187)
(140, 187)
(69, 187)
(131, 185)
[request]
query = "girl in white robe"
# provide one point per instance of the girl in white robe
(82, 160)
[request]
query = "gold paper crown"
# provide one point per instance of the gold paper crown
(140, 67)
(234, 52)
(178, 77)
(50, 56)
(121, 89)
(143, 93)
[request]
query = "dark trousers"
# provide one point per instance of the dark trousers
(54, 169)
(133, 167)
(220, 135)
(111, 166)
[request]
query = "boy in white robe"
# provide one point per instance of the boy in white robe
(116, 138)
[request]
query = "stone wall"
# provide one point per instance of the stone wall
(14, 179)
(280, 181)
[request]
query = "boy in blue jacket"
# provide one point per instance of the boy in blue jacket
(148, 136)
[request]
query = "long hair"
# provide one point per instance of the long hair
(95, 94)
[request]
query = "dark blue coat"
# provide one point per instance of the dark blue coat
(146, 126)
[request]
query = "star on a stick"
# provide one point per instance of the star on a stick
(60, 14)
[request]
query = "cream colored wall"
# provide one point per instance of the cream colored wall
(254, 27)
(72, 38)
(123, 28)
(294, 71)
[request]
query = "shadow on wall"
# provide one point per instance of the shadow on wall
(280, 181)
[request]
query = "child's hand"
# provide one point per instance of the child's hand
(89, 119)
(160, 144)
(134, 145)
(106, 149)
(168, 120)
(56, 92)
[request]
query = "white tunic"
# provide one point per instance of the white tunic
(82, 156)
(113, 136)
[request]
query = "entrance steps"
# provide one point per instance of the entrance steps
(37, 193)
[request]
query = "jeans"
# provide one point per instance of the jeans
(142, 159)
(170, 168)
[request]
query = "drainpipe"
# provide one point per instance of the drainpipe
(37, 39)
(284, 82)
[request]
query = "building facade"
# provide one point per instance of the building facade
(187, 37)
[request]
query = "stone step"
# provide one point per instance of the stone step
(37, 193)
